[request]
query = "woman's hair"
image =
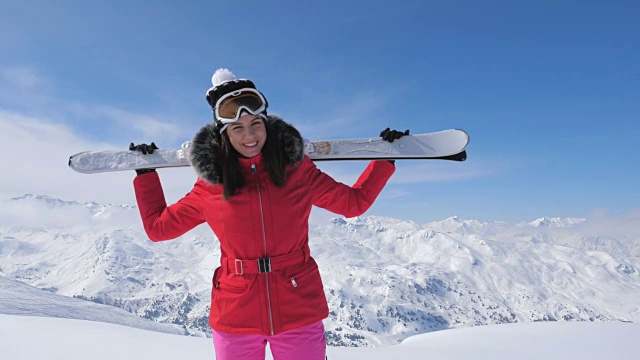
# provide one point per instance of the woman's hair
(273, 158)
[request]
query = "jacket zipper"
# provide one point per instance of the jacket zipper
(264, 237)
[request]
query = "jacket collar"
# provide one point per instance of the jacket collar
(247, 163)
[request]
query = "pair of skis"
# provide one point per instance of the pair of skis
(442, 145)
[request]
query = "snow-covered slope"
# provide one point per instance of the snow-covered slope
(31, 338)
(386, 279)
(17, 298)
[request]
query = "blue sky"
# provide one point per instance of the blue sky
(548, 90)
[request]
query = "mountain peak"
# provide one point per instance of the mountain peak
(555, 222)
(56, 203)
(44, 199)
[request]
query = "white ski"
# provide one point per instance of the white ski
(442, 145)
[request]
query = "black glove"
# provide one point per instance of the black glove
(144, 149)
(390, 135)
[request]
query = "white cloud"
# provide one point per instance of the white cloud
(413, 171)
(23, 86)
(146, 126)
(127, 126)
(33, 157)
(24, 91)
(426, 171)
(603, 224)
(30, 214)
(395, 193)
(34, 149)
(21, 76)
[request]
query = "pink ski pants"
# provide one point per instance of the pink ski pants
(306, 343)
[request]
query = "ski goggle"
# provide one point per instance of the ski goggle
(230, 106)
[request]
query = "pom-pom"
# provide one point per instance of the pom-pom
(222, 76)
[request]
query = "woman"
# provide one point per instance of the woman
(256, 190)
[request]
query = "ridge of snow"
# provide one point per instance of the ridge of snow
(49, 203)
(45, 199)
(17, 298)
(554, 222)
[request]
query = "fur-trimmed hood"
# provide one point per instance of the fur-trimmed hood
(205, 148)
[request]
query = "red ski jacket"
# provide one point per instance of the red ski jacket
(267, 282)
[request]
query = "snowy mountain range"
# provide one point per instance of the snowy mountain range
(386, 279)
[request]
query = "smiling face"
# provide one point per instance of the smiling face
(247, 135)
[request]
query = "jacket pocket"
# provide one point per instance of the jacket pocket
(304, 277)
(235, 303)
(301, 294)
(233, 284)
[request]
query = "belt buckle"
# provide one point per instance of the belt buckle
(264, 265)
(241, 268)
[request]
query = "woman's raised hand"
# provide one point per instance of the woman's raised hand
(391, 135)
(143, 148)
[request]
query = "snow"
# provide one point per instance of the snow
(17, 298)
(386, 279)
(35, 324)
(34, 338)
(555, 222)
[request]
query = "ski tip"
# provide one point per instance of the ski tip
(461, 156)
(72, 165)
(466, 133)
